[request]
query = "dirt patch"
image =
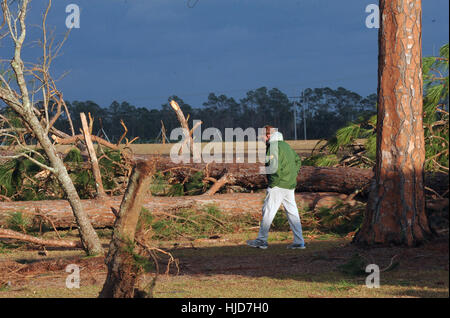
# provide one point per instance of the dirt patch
(48, 272)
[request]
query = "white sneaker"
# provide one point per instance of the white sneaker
(257, 243)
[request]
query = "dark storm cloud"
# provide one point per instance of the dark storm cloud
(142, 51)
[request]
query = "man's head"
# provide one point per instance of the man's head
(269, 130)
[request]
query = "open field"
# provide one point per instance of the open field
(300, 146)
(303, 147)
(224, 266)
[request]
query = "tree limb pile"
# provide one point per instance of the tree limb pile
(345, 180)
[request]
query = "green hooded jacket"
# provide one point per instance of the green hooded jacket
(288, 161)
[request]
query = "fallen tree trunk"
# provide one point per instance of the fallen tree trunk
(101, 215)
(310, 179)
(247, 175)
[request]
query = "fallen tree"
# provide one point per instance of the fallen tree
(101, 213)
(344, 180)
(315, 183)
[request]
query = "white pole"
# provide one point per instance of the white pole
(295, 120)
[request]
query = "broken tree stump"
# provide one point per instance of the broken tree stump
(93, 157)
(122, 271)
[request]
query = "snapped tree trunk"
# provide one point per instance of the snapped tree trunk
(396, 209)
(93, 157)
(122, 271)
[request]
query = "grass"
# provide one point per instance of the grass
(190, 224)
(226, 267)
(342, 285)
(89, 291)
(326, 283)
(214, 261)
(220, 286)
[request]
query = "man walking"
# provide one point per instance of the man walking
(285, 165)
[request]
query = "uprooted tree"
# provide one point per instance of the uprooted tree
(38, 119)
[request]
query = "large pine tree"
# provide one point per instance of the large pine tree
(396, 209)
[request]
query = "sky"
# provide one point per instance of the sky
(143, 51)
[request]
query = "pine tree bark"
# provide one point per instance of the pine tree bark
(396, 209)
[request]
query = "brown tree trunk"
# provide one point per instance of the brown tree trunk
(310, 179)
(396, 209)
(100, 215)
(122, 271)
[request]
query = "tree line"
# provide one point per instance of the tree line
(324, 110)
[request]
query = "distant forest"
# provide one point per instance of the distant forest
(325, 110)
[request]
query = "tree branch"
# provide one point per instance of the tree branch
(10, 234)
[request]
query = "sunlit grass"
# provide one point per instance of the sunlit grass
(324, 281)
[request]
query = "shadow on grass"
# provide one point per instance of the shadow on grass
(421, 271)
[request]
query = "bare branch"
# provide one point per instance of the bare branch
(23, 154)
(37, 121)
(5, 233)
(124, 132)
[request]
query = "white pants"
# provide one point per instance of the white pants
(274, 198)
